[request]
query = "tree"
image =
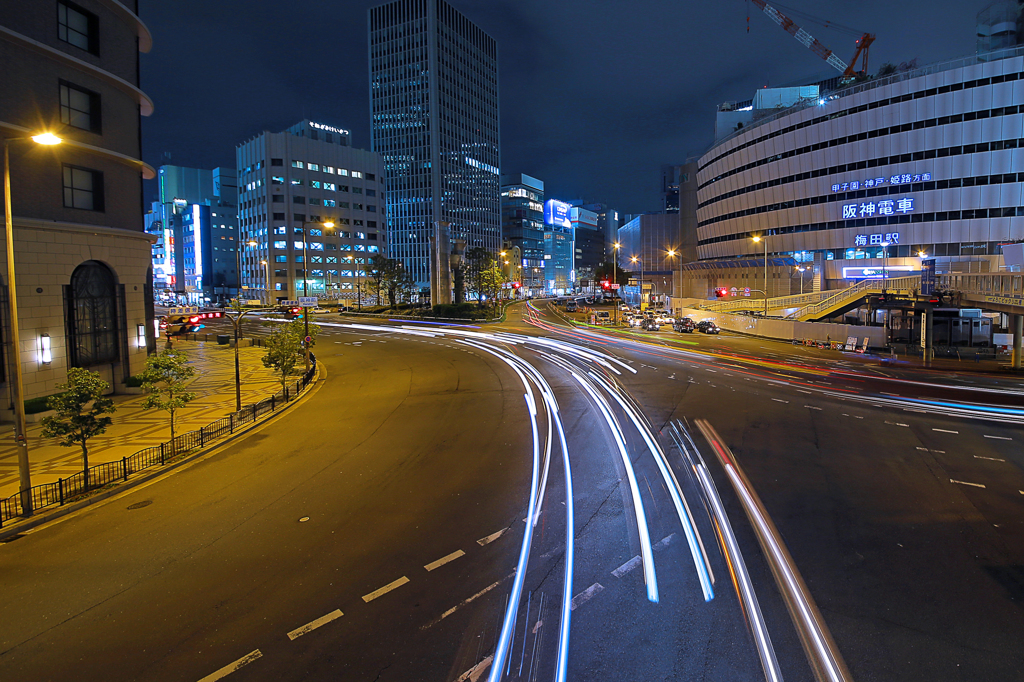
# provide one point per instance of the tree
(82, 411)
(284, 348)
(164, 380)
(377, 272)
(607, 271)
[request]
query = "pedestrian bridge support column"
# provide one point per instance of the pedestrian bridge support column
(1018, 332)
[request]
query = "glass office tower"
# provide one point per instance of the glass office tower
(434, 111)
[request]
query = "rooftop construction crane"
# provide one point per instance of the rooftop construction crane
(815, 46)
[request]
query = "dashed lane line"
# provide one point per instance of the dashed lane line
(627, 567)
(973, 485)
(997, 437)
(463, 603)
(800, 390)
(477, 671)
(991, 459)
(945, 431)
(233, 667)
(780, 400)
(314, 624)
(812, 407)
(444, 560)
(384, 590)
(898, 424)
(491, 538)
(585, 596)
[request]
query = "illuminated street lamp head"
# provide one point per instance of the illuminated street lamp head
(633, 259)
(501, 253)
(756, 238)
(672, 252)
(922, 254)
(617, 245)
(252, 243)
(46, 138)
(328, 224)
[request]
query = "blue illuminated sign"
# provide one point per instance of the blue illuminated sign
(898, 179)
(885, 207)
(557, 213)
(876, 239)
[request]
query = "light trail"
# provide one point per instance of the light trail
(700, 562)
(734, 556)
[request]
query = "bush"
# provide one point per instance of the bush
(133, 382)
(36, 405)
(465, 310)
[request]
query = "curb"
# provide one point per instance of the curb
(18, 527)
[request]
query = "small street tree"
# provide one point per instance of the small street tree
(165, 381)
(82, 412)
(284, 348)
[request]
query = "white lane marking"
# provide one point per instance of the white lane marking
(920, 448)
(779, 400)
(1021, 492)
(812, 407)
(910, 409)
(945, 431)
(474, 673)
(585, 595)
(384, 590)
(665, 541)
(314, 624)
(803, 391)
(232, 667)
(895, 394)
(991, 459)
(491, 538)
(444, 560)
(627, 567)
(898, 424)
(975, 485)
(997, 437)
(463, 603)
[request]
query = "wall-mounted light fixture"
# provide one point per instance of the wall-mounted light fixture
(45, 354)
(140, 336)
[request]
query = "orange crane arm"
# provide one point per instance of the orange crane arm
(863, 43)
(809, 41)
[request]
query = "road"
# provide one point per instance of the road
(381, 528)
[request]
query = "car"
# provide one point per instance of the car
(319, 311)
(603, 317)
(342, 308)
(664, 318)
(633, 320)
(650, 324)
(708, 327)
(571, 307)
(684, 325)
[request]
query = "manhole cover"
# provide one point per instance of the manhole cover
(140, 505)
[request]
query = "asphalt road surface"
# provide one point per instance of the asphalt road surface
(410, 520)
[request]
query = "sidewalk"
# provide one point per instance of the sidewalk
(134, 428)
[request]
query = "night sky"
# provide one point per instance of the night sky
(595, 94)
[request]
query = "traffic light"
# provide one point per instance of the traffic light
(516, 285)
(605, 284)
(721, 292)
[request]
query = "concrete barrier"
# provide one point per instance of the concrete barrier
(790, 330)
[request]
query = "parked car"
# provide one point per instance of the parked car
(570, 307)
(650, 324)
(603, 317)
(684, 325)
(319, 311)
(708, 327)
(664, 317)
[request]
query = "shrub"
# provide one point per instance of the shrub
(133, 382)
(36, 405)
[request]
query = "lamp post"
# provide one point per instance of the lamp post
(238, 267)
(18, 388)
(672, 253)
(615, 278)
(305, 284)
(634, 259)
(885, 265)
(758, 238)
(801, 271)
(266, 286)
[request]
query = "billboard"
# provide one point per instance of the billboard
(557, 213)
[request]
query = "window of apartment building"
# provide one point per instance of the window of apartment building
(360, 235)
(79, 108)
(371, 176)
(277, 180)
(83, 188)
(298, 164)
(342, 171)
(331, 186)
(357, 190)
(78, 27)
(299, 217)
(298, 200)
(356, 174)
(295, 182)
(329, 202)
(371, 192)
(277, 199)
(282, 229)
(371, 208)
(357, 207)
(372, 223)
(314, 166)
(329, 169)
(313, 201)
(280, 245)
(315, 184)
(342, 188)
(277, 162)
(280, 259)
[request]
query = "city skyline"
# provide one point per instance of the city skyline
(640, 123)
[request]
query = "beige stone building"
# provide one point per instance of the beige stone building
(82, 258)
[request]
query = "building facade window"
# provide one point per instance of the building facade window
(92, 315)
(79, 108)
(83, 188)
(78, 27)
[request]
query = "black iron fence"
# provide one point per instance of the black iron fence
(74, 487)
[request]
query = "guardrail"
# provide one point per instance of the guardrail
(78, 485)
(903, 284)
(758, 303)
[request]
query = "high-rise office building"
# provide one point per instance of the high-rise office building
(588, 245)
(290, 185)
(434, 111)
(84, 284)
(522, 225)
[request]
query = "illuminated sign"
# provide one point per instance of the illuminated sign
(180, 203)
(874, 272)
(330, 129)
(197, 243)
(869, 209)
(898, 179)
(876, 239)
(482, 166)
(557, 213)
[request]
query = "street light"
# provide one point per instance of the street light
(266, 267)
(672, 253)
(615, 277)
(634, 259)
(757, 239)
(305, 282)
(18, 389)
(885, 265)
(801, 271)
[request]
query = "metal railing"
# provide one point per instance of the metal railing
(1009, 284)
(758, 303)
(74, 487)
(858, 290)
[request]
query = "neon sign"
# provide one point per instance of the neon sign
(330, 129)
(877, 239)
(884, 207)
(898, 179)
